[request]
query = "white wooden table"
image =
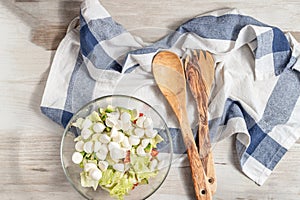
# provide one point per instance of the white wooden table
(29, 142)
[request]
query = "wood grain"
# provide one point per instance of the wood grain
(169, 75)
(49, 19)
(30, 166)
(200, 83)
(199, 70)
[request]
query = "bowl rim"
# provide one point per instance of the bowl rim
(116, 96)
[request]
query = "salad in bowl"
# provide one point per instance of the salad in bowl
(116, 147)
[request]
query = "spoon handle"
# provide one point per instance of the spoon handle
(201, 185)
(170, 78)
(200, 74)
(205, 150)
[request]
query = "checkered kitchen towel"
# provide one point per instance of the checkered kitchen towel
(255, 95)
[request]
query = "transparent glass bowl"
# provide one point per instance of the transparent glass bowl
(72, 171)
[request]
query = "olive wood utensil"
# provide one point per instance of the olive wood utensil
(169, 75)
(199, 71)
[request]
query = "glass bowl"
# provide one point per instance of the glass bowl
(72, 171)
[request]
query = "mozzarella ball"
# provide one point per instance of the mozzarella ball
(79, 146)
(99, 127)
(77, 157)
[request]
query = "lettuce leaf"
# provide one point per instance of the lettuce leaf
(87, 181)
(122, 188)
(94, 117)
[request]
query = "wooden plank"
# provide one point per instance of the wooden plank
(151, 22)
(48, 36)
(30, 167)
(17, 1)
(38, 172)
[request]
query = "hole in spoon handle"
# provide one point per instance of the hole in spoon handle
(203, 191)
(211, 180)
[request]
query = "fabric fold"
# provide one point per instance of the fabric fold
(255, 95)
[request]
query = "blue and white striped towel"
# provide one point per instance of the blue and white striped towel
(255, 94)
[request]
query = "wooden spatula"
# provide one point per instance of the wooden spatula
(200, 75)
(169, 75)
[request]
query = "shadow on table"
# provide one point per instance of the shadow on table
(48, 20)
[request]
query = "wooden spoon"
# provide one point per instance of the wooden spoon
(169, 75)
(200, 75)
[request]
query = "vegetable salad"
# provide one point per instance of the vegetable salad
(116, 150)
